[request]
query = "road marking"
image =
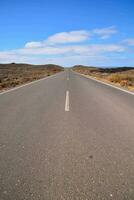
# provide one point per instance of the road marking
(68, 75)
(26, 84)
(67, 101)
(108, 84)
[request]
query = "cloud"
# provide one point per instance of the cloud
(129, 42)
(60, 47)
(68, 61)
(103, 48)
(105, 33)
(33, 44)
(71, 49)
(61, 38)
(69, 37)
(73, 37)
(9, 57)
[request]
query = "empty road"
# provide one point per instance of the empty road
(66, 137)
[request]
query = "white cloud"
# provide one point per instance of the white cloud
(129, 41)
(61, 38)
(101, 48)
(54, 53)
(33, 44)
(9, 57)
(69, 37)
(105, 33)
(69, 47)
(59, 50)
(73, 37)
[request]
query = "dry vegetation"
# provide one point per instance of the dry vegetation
(14, 74)
(121, 76)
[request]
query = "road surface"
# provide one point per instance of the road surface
(66, 138)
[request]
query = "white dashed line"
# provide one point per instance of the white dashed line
(67, 101)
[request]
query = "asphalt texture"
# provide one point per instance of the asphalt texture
(47, 153)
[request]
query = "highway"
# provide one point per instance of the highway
(66, 137)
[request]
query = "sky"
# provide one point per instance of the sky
(67, 32)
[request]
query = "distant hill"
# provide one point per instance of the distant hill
(105, 70)
(24, 65)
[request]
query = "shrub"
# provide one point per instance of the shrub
(116, 78)
(124, 83)
(124, 79)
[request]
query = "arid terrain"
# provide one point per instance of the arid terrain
(121, 76)
(14, 74)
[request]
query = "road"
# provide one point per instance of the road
(66, 137)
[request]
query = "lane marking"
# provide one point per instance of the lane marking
(26, 84)
(68, 75)
(108, 84)
(67, 101)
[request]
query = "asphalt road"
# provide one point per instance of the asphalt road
(66, 138)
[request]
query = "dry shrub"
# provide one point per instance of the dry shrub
(124, 83)
(115, 78)
(123, 79)
(3, 85)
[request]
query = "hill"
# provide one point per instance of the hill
(14, 74)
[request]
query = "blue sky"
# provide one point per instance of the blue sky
(98, 32)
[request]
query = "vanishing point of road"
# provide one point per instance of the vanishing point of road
(66, 137)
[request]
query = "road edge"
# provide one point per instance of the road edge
(29, 83)
(108, 84)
